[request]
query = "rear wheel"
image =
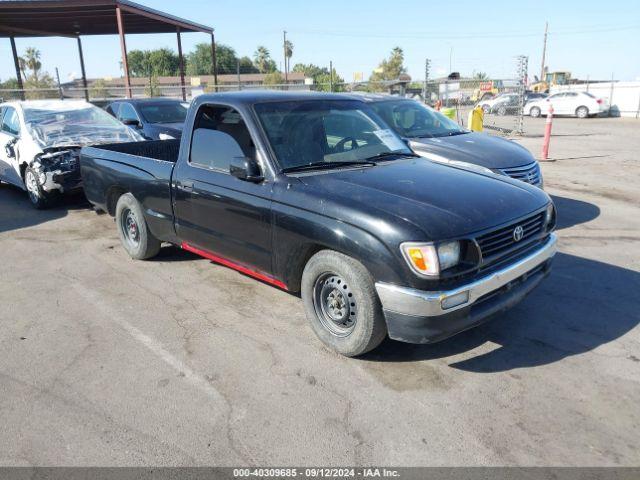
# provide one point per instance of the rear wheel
(341, 303)
(535, 112)
(134, 233)
(582, 112)
(502, 111)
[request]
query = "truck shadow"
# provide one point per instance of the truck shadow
(16, 212)
(582, 305)
(574, 212)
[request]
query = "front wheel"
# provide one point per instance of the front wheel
(341, 303)
(535, 112)
(39, 198)
(134, 233)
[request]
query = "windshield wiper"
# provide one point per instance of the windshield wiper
(385, 155)
(326, 166)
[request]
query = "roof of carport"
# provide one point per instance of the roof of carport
(72, 18)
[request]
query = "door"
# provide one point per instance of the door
(215, 211)
(559, 102)
(9, 136)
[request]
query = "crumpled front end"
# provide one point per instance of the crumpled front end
(58, 169)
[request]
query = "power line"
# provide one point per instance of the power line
(466, 35)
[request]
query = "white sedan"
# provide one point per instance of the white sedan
(578, 104)
(40, 143)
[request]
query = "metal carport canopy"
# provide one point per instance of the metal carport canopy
(73, 18)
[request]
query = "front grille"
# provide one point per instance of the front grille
(527, 173)
(501, 242)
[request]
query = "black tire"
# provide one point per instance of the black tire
(535, 112)
(134, 233)
(361, 327)
(37, 196)
(502, 111)
(582, 112)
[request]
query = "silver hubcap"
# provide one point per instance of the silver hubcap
(335, 304)
(129, 225)
(32, 186)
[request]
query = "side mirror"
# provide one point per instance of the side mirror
(130, 122)
(245, 168)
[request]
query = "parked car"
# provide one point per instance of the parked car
(153, 118)
(578, 104)
(508, 103)
(436, 137)
(40, 142)
(313, 193)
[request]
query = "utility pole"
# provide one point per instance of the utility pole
(544, 52)
(59, 86)
(284, 48)
(427, 64)
(450, 59)
(238, 74)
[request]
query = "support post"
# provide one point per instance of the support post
(123, 48)
(16, 62)
(84, 73)
(286, 66)
(181, 63)
(214, 61)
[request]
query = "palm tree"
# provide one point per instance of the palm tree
(261, 58)
(288, 53)
(480, 76)
(31, 61)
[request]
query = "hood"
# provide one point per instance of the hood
(173, 129)
(478, 148)
(442, 201)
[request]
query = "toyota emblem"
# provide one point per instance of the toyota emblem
(518, 233)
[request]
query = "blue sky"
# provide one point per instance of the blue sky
(588, 38)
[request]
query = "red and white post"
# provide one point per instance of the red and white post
(547, 134)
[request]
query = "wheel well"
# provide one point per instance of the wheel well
(23, 168)
(295, 279)
(112, 199)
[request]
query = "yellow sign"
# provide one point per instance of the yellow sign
(357, 76)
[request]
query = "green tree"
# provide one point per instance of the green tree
(389, 69)
(199, 61)
(159, 62)
(262, 60)
(273, 78)
(99, 89)
(34, 77)
(247, 66)
(480, 76)
(321, 77)
(288, 53)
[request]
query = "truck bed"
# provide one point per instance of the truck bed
(142, 168)
(165, 150)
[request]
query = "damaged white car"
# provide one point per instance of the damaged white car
(40, 143)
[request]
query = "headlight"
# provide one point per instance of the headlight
(550, 217)
(166, 136)
(428, 259)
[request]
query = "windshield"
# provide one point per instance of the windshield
(326, 131)
(412, 120)
(165, 112)
(72, 123)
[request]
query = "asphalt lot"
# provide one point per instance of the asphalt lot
(178, 361)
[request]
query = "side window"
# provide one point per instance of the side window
(113, 109)
(127, 112)
(10, 121)
(219, 135)
(571, 94)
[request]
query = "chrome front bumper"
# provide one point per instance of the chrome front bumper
(420, 303)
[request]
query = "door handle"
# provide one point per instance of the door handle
(186, 186)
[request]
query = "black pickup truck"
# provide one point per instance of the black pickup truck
(314, 194)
